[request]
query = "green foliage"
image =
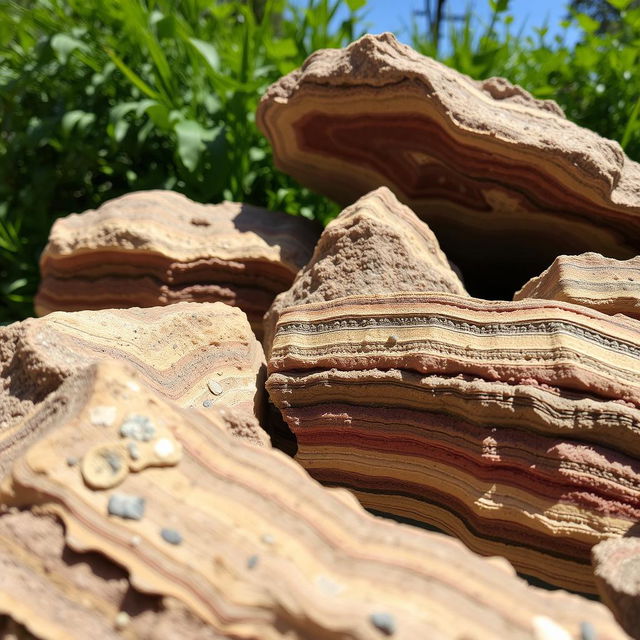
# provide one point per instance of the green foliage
(102, 97)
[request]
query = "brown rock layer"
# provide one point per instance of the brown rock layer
(512, 425)
(374, 246)
(199, 355)
(153, 248)
(608, 285)
(504, 180)
(226, 540)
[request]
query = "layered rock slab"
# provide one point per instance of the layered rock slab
(376, 245)
(477, 160)
(152, 248)
(229, 540)
(512, 425)
(592, 280)
(198, 355)
(617, 569)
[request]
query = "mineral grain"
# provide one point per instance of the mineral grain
(177, 349)
(512, 425)
(505, 181)
(608, 285)
(256, 548)
(374, 246)
(152, 248)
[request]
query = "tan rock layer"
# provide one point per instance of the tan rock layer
(608, 285)
(199, 355)
(235, 541)
(374, 246)
(153, 248)
(511, 425)
(480, 160)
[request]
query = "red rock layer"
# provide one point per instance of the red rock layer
(477, 160)
(199, 355)
(608, 285)
(374, 246)
(513, 426)
(224, 540)
(153, 248)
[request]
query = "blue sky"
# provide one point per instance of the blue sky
(396, 15)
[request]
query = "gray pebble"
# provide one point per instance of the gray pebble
(206, 403)
(126, 506)
(252, 561)
(215, 387)
(171, 536)
(134, 452)
(267, 538)
(113, 460)
(587, 631)
(392, 340)
(138, 427)
(384, 622)
(72, 461)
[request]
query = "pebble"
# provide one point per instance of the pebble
(207, 403)
(164, 448)
(126, 506)
(133, 386)
(384, 622)
(587, 631)
(252, 561)
(103, 416)
(135, 541)
(215, 387)
(138, 427)
(171, 536)
(122, 620)
(392, 340)
(547, 629)
(134, 452)
(267, 538)
(72, 461)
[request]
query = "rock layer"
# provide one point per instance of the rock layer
(617, 569)
(481, 160)
(153, 248)
(374, 246)
(512, 425)
(608, 285)
(234, 541)
(199, 355)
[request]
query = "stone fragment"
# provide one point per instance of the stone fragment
(374, 246)
(126, 506)
(514, 426)
(152, 248)
(608, 285)
(225, 494)
(616, 565)
(505, 181)
(175, 348)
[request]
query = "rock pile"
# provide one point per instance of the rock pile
(139, 493)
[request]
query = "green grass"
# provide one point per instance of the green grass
(104, 97)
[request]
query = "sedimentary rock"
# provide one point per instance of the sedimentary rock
(505, 181)
(374, 246)
(199, 355)
(512, 425)
(226, 540)
(608, 285)
(617, 570)
(153, 248)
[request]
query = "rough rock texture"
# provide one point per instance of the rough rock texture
(226, 540)
(608, 285)
(374, 246)
(617, 569)
(481, 160)
(512, 425)
(153, 248)
(199, 355)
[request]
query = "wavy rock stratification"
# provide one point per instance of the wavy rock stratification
(608, 285)
(374, 246)
(481, 160)
(219, 539)
(199, 355)
(617, 569)
(512, 425)
(152, 248)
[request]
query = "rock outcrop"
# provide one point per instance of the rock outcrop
(608, 285)
(617, 569)
(505, 181)
(198, 355)
(374, 246)
(512, 425)
(153, 248)
(204, 536)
